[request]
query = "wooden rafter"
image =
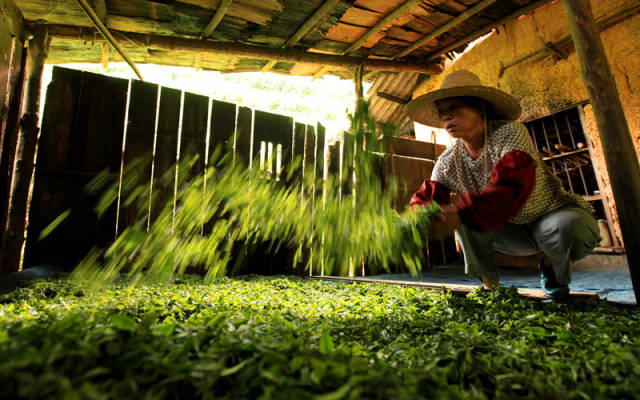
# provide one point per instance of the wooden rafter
(107, 35)
(485, 29)
(320, 13)
(217, 17)
(214, 48)
(375, 29)
(101, 9)
(446, 27)
(383, 22)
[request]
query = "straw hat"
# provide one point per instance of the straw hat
(462, 83)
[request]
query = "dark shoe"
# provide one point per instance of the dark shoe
(550, 285)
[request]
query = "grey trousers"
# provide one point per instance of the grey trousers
(565, 235)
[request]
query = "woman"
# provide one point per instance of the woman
(507, 199)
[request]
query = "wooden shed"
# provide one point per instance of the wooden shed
(360, 40)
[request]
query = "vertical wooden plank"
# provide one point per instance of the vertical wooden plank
(96, 145)
(298, 149)
(275, 129)
(617, 144)
(194, 134)
(81, 135)
(166, 151)
(244, 131)
(54, 190)
(310, 152)
(141, 127)
(321, 155)
(223, 125)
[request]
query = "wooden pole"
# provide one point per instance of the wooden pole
(14, 230)
(107, 35)
(620, 156)
(217, 17)
(213, 48)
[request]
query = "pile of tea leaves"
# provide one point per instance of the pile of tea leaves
(301, 338)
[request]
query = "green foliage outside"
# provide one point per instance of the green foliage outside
(296, 338)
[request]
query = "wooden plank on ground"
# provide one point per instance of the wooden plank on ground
(536, 294)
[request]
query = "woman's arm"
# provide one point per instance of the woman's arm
(428, 192)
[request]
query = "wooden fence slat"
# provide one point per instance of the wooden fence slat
(310, 151)
(275, 129)
(320, 151)
(223, 125)
(244, 130)
(166, 150)
(298, 147)
(194, 133)
(81, 135)
(141, 125)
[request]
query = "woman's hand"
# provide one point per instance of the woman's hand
(445, 223)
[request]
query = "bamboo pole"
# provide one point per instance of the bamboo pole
(14, 229)
(217, 17)
(107, 35)
(620, 156)
(207, 47)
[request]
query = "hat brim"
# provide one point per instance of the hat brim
(423, 108)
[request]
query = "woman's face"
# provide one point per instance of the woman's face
(461, 120)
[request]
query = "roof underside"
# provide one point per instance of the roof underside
(410, 31)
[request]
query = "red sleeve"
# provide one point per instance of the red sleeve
(430, 190)
(512, 181)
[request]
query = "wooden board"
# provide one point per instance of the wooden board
(81, 135)
(166, 150)
(536, 294)
(193, 138)
(223, 126)
(141, 125)
(244, 131)
(416, 148)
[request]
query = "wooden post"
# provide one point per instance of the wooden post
(619, 153)
(14, 229)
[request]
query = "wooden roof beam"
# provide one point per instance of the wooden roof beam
(107, 35)
(485, 29)
(244, 50)
(217, 17)
(320, 13)
(446, 27)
